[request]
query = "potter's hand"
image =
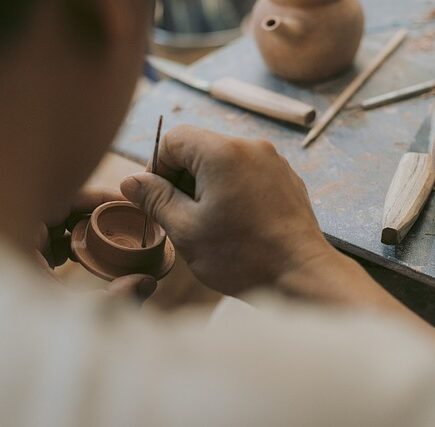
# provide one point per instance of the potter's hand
(54, 244)
(242, 222)
(54, 241)
(242, 218)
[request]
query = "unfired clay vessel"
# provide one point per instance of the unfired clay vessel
(109, 243)
(308, 40)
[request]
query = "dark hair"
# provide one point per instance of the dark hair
(13, 16)
(81, 19)
(84, 22)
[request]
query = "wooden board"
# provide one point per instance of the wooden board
(349, 169)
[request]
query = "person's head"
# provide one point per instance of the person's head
(68, 69)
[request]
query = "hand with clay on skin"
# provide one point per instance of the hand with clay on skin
(242, 219)
(54, 245)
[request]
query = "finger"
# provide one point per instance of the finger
(186, 183)
(183, 148)
(136, 286)
(179, 178)
(42, 238)
(89, 198)
(57, 232)
(167, 205)
(42, 260)
(60, 251)
(74, 219)
(43, 246)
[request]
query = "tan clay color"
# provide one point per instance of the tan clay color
(308, 40)
(109, 244)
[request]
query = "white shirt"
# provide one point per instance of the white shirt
(68, 360)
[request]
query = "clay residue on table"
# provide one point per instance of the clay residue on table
(351, 117)
(430, 16)
(327, 189)
(402, 145)
(425, 42)
(310, 165)
(177, 108)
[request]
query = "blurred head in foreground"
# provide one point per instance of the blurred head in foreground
(68, 69)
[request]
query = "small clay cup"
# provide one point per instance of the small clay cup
(109, 243)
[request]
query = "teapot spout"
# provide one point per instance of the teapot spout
(283, 26)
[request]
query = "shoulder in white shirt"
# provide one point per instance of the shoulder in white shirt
(68, 360)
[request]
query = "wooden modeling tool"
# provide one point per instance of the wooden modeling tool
(356, 84)
(395, 96)
(411, 186)
(153, 171)
(243, 95)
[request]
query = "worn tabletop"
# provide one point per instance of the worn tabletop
(349, 169)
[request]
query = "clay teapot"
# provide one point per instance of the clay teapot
(308, 40)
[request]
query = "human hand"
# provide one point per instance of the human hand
(54, 244)
(234, 209)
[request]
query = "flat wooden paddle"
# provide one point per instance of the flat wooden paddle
(412, 185)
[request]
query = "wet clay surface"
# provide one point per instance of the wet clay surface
(349, 169)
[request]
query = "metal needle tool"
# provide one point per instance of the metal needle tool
(395, 96)
(153, 171)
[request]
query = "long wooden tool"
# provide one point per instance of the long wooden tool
(411, 186)
(396, 96)
(154, 171)
(356, 84)
(241, 94)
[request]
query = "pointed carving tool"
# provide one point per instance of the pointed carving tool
(411, 186)
(243, 95)
(153, 171)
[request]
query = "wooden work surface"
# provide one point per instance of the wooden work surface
(349, 169)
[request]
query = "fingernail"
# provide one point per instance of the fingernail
(145, 289)
(132, 190)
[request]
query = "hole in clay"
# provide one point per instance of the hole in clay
(124, 226)
(271, 23)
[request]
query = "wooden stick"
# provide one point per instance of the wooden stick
(356, 84)
(153, 171)
(396, 95)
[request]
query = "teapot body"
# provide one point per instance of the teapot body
(308, 40)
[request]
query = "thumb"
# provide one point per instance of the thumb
(136, 286)
(158, 198)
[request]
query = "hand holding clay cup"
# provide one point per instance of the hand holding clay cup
(234, 209)
(54, 243)
(53, 240)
